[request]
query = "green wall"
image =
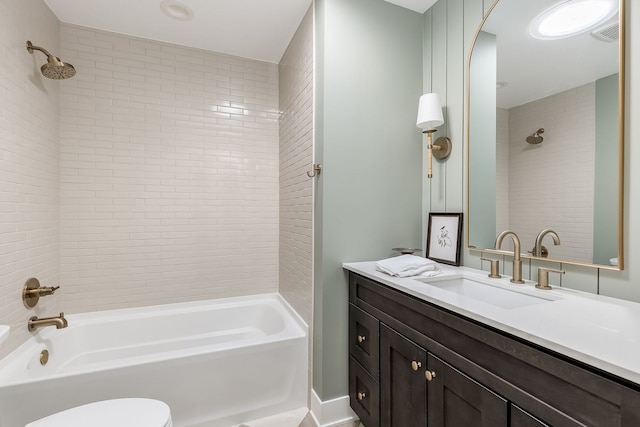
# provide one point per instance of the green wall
(605, 221)
(373, 60)
(482, 127)
(368, 200)
(449, 29)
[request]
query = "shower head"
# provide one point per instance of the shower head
(536, 138)
(54, 68)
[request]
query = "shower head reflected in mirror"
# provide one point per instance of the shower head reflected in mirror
(54, 68)
(536, 138)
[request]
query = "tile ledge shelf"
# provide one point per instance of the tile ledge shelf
(4, 333)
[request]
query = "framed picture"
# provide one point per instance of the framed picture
(444, 236)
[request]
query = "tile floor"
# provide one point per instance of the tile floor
(296, 418)
(308, 422)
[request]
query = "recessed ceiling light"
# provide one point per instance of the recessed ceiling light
(572, 17)
(176, 10)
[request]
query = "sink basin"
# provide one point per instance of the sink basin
(489, 294)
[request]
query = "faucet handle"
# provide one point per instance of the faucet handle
(543, 277)
(495, 267)
(48, 290)
(32, 291)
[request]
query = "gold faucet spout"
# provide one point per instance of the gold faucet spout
(537, 249)
(517, 262)
(59, 322)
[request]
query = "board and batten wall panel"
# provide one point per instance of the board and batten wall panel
(454, 165)
(437, 183)
(627, 283)
(449, 29)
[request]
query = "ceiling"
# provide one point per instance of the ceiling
(262, 30)
(532, 69)
(256, 29)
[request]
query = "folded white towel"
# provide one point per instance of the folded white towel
(408, 265)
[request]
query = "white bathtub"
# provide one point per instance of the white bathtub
(215, 363)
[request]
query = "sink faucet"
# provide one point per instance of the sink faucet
(517, 262)
(59, 322)
(537, 249)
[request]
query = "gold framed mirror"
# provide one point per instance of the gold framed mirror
(545, 135)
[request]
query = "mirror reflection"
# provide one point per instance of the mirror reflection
(545, 134)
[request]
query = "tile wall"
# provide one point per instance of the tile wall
(168, 173)
(296, 156)
(28, 164)
(552, 182)
(502, 173)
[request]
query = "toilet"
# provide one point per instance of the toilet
(130, 412)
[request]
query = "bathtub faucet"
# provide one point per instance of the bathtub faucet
(59, 322)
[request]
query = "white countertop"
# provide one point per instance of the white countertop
(600, 331)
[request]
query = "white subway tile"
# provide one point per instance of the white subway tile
(162, 179)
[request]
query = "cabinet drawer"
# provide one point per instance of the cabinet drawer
(364, 394)
(364, 335)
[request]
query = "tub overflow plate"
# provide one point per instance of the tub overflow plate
(44, 357)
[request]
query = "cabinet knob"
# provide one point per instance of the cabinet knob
(430, 375)
(416, 365)
(361, 396)
(361, 338)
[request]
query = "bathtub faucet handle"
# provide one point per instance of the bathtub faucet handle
(47, 290)
(32, 292)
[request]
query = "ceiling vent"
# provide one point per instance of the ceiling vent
(607, 33)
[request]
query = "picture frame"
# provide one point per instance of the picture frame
(444, 237)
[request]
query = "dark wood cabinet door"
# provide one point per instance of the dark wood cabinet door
(521, 418)
(456, 400)
(403, 388)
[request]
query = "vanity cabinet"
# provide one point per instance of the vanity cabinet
(424, 365)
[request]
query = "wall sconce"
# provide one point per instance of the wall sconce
(430, 117)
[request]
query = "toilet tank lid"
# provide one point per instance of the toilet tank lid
(128, 412)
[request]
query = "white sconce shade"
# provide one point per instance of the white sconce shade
(429, 112)
(429, 118)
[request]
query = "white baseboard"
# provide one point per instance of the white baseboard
(332, 412)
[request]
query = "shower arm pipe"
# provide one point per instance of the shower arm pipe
(31, 48)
